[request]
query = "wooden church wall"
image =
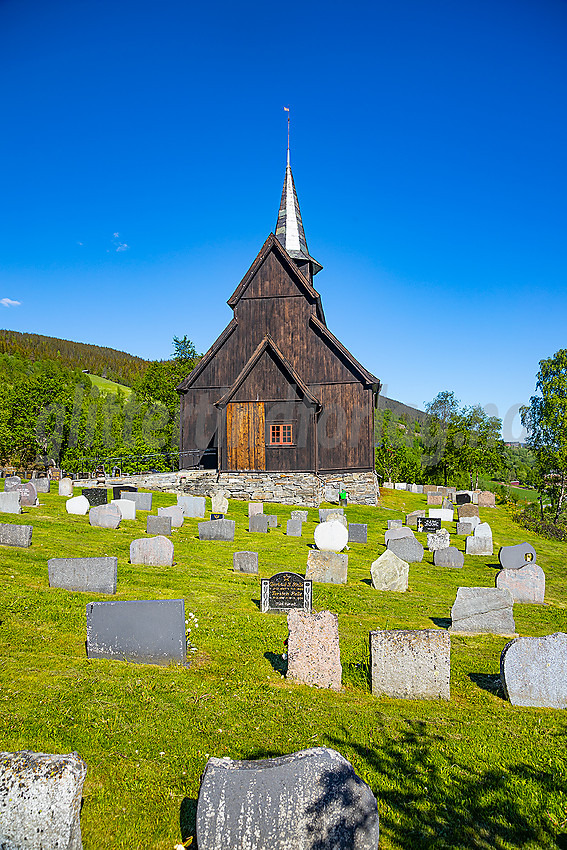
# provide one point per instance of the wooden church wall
(345, 425)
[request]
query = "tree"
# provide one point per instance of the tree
(183, 349)
(442, 411)
(545, 419)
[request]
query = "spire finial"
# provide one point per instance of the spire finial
(286, 109)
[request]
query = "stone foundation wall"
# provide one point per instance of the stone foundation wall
(287, 488)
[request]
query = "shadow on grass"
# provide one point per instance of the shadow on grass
(495, 566)
(442, 622)
(428, 804)
(488, 682)
(278, 663)
(188, 819)
(367, 581)
(258, 604)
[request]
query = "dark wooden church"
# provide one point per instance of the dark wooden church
(277, 391)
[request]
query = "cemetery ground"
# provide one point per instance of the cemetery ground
(472, 772)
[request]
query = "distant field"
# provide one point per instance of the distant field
(524, 495)
(109, 386)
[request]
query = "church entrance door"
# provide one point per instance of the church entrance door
(246, 435)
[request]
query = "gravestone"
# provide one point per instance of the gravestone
(217, 529)
(95, 495)
(407, 548)
(219, 502)
(387, 485)
(429, 488)
(486, 499)
(258, 523)
(105, 516)
(40, 803)
(324, 513)
(331, 536)
(313, 654)
(428, 524)
(175, 513)
(126, 507)
(11, 483)
(144, 631)
(293, 528)
(401, 485)
(330, 493)
(152, 551)
(475, 545)
(272, 521)
(143, 500)
(419, 489)
(327, 567)
(435, 498)
(397, 534)
(300, 515)
(447, 504)
(449, 557)
(388, 572)
(42, 485)
(463, 497)
(533, 671)
(285, 591)
(412, 518)
(335, 516)
(216, 516)
(255, 508)
(245, 562)
(311, 800)
(526, 584)
(464, 528)
(411, 664)
(77, 505)
(395, 523)
(11, 502)
(357, 532)
(444, 514)
(483, 609)
(122, 488)
(482, 529)
(15, 535)
(467, 510)
(443, 490)
(514, 557)
(438, 540)
(28, 495)
(192, 506)
(160, 525)
(65, 487)
(85, 575)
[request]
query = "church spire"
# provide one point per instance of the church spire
(289, 227)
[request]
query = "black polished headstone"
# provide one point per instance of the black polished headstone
(463, 499)
(122, 488)
(286, 591)
(95, 495)
(217, 516)
(430, 524)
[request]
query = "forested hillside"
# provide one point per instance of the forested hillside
(116, 365)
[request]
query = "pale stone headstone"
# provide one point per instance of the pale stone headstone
(464, 528)
(176, 514)
(217, 529)
(412, 518)
(313, 655)
(397, 534)
(245, 562)
(105, 516)
(483, 609)
(330, 493)
(390, 573)
(255, 508)
(387, 485)
(526, 584)
(324, 513)
(407, 548)
(293, 528)
(192, 506)
(272, 521)
(438, 540)
(357, 532)
(467, 510)
(514, 557)
(335, 516)
(444, 514)
(158, 525)
(401, 485)
(395, 523)
(258, 523)
(429, 488)
(11, 483)
(15, 535)
(28, 495)
(126, 507)
(149, 631)
(11, 502)
(300, 515)
(152, 551)
(486, 499)
(449, 557)
(482, 529)
(411, 664)
(77, 505)
(533, 671)
(219, 502)
(472, 520)
(65, 487)
(331, 536)
(40, 805)
(475, 545)
(85, 575)
(327, 567)
(143, 500)
(447, 504)
(42, 485)
(311, 800)
(435, 499)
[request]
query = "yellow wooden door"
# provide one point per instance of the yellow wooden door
(245, 435)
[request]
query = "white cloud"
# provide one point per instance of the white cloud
(116, 235)
(7, 302)
(122, 246)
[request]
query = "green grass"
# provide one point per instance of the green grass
(523, 494)
(109, 387)
(474, 772)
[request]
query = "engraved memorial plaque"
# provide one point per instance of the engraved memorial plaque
(428, 524)
(286, 591)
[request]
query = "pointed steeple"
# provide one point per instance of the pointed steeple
(289, 228)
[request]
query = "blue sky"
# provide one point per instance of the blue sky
(143, 153)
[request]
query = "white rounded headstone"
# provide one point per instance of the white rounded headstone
(77, 505)
(331, 536)
(65, 487)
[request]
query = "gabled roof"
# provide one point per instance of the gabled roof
(331, 339)
(268, 344)
(289, 226)
(272, 244)
(206, 358)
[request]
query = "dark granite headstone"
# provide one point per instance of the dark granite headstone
(407, 548)
(514, 557)
(216, 516)
(357, 532)
(95, 495)
(463, 498)
(285, 591)
(86, 575)
(15, 535)
(310, 800)
(428, 524)
(122, 488)
(147, 632)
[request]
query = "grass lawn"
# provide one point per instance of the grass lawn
(109, 387)
(523, 494)
(473, 772)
